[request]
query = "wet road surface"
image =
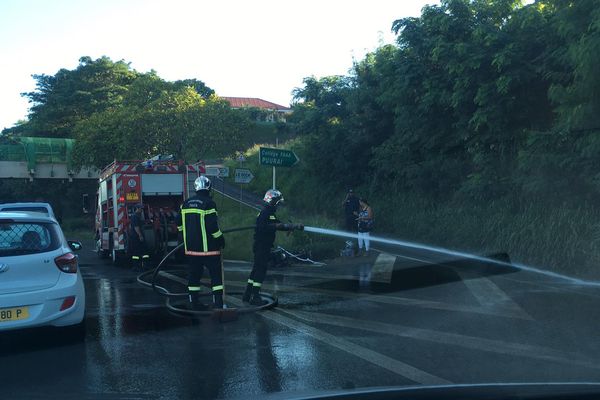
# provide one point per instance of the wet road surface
(391, 319)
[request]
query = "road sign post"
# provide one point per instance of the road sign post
(274, 173)
(242, 176)
(241, 158)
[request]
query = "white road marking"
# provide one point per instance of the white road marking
(487, 293)
(408, 371)
(381, 360)
(454, 339)
(491, 298)
(248, 263)
(547, 287)
(323, 275)
(383, 268)
(175, 278)
(401, 301)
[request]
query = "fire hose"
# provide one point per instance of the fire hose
(162, 291)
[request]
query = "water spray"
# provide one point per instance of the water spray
(440, 250)
(401, 243)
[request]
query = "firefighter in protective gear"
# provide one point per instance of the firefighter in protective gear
(264, 238)
(202, 241)
(137, 243)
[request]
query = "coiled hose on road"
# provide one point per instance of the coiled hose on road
(162, 291)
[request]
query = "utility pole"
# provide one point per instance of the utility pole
(241, 159)
(276, 145)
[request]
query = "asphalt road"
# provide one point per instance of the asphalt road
(398, 317)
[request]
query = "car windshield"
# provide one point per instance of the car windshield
(294, 197)
(19, 238)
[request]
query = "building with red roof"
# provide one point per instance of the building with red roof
(271, 111)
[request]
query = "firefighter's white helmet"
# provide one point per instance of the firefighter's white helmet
(202, 183)
(273, 197)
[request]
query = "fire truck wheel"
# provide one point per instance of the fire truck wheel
(101, 253)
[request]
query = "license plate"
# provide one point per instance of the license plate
(133, 196)
(13, 314)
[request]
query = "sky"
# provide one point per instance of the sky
(239, 48)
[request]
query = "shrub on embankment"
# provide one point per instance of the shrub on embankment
(239, 244)
(562, 237)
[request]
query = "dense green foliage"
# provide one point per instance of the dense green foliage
(64, 197)
(116, 112)
(478, 99)
(479, 129)
(482, 122)
(239, 244)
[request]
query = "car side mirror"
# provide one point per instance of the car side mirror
(74, 245)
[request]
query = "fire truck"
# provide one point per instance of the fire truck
(160, 184)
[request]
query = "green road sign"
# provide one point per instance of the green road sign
(277, 157)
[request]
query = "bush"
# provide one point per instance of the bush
(564, 238)
(78, 228)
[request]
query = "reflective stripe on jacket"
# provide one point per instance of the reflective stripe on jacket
(264, 233)
(198, 221)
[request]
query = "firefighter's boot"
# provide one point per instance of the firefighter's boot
(256, 300)
(136, 263)
(145, 264)
(195, 303)
(248, 293)
(218, 300)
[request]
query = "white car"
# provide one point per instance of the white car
(43, 208)
(40, 281)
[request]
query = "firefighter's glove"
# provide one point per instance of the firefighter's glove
(284, 227)
(299, 227)
(221, 240)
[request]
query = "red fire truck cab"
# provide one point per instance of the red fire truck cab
(160, 185)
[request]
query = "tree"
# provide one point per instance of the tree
(178, 122)
(62, 100)
(199, 86)
(460, 105)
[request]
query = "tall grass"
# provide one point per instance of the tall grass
(239, 244)
(564, 238)
(303, 192)
(78, 228)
